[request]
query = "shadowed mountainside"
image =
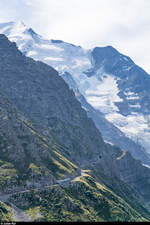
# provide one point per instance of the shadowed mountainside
(46, 135)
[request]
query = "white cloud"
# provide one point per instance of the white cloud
(121, 23)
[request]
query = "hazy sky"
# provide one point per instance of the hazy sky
(124, 24)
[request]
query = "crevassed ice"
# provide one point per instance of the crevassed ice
(100, 90)
(135, 126)
(48, 47)
(102, 94)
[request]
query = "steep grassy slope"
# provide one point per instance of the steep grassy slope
(5, 213)
(43, 96)
(84, 199)
(29, 176)
(26, 156)
(49, 137)
(81, 69)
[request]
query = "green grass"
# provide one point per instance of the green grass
(84, 200)
(5, 213)
(35, 213)
(8, 174)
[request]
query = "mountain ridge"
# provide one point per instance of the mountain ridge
(88, 72)
(55, 132)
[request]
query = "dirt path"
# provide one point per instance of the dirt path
(20, 215)
(5, 197)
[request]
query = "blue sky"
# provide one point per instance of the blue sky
(124, 24)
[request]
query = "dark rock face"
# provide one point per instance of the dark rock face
(122, 166)
(20, 148)
(39, 92)
(109, 57)
(134, 79)
(42, 96)
(124, 71)
(27, 157)
(129, 79)
(133, 85)
(132, 173)
(112, 134)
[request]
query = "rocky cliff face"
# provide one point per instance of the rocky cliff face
(45, 98)
(112, 89)
(47, 132)
(132, 113)
(27, 157)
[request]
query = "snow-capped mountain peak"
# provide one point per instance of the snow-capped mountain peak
(18, 32)
(61, 55)
(109, 81)
(13, 29)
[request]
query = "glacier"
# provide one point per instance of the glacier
(108, 84)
